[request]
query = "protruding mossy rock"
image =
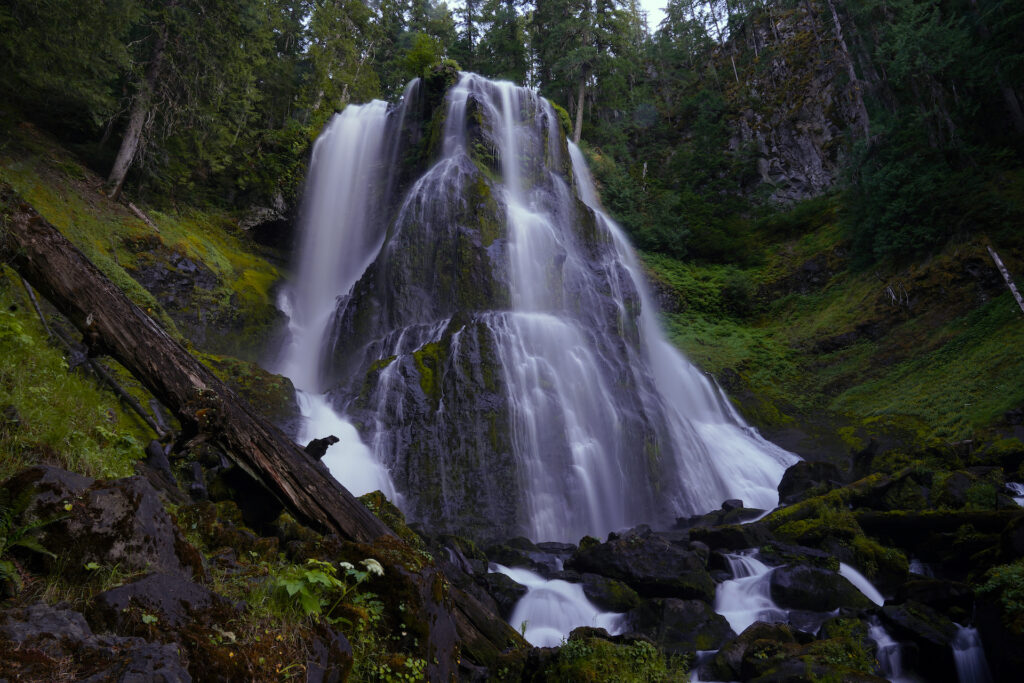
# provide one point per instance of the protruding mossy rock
(651, 565)
(811, 588)
(504, 590)
(116, 523)
(165, 601)
(806, 479)
(43, 643)
(727, 664)
(608, 594)
(680, 626)
(931, 632)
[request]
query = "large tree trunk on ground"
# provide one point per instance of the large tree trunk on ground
(114, 325)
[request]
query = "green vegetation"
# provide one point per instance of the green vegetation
(804, 338)
(1005, 584)
(588, 659)
(49, 413)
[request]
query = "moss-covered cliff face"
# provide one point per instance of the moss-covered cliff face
(825, 357)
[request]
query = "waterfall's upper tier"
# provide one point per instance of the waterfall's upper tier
(496, 346)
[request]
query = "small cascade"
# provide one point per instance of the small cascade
(552, 608)
(969, 655)
(746, 597)
(861, 583)
(921, 568)
(1017, 490)
(889, 654)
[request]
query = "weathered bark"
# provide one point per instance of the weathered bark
(1006, 277)
(114, 325)
(139, 112)
(579, 111)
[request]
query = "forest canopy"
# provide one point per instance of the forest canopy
(218, 103)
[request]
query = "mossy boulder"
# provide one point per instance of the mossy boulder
(680, 626)
(931, 632)
(649, 564)
(807, 479)
(812, 588)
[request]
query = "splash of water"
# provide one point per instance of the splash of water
(552, 608)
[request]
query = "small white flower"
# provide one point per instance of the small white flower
(373, 566)
(347, 565)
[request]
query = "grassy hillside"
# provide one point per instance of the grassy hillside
(216, 289)
(824, 357)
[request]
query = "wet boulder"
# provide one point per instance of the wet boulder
(931, 632)
(807, 479)
(812, 588)
(608, 594)
(332, 657)
(727, 664)
(504, 590)
(45, 643)
(649, 564)
(680, 626)
(168, 601)
(114, 523)
(733, 536)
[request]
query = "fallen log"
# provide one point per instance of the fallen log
(111, 324)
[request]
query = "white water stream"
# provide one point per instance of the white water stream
(552, 608)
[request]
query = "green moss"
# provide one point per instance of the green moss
(50, 413)
(595, 660)
(429, 361)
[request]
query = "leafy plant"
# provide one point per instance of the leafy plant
(316, 585)
(15, 534)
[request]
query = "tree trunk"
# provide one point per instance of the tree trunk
(114, 325)
(1006, 277)
(141, 104)
(579, 111)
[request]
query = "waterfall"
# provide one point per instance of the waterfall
(746, 597)
(889, 653)
(488, 331)
(861, 583)
(552, 608)
(339, 237)
(969, 656)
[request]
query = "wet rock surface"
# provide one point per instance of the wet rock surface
(41, 643)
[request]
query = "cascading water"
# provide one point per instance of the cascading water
(969, 656)
(889, 654)
(490, 334)
(746, 597)
(338, 241)
(552, 608)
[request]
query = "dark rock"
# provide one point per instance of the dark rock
(787, 553)
(796, 670)
(556, 547)
(732, 515)
(608, 594)
(1011, 540)
(120, 522)
(318, 447)
(733, 536)
(332, 658)
(931, 632)
(653, 566)
(953, 491)
(808, 479)
(860, 461)
(1004, 648)
(951, 598)
(812, 588)
(173, 600)
(46, 643)
(156, 458)
(732, 504)
(727, 664)
(197, 489)
(505, 591)
(680, 626)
